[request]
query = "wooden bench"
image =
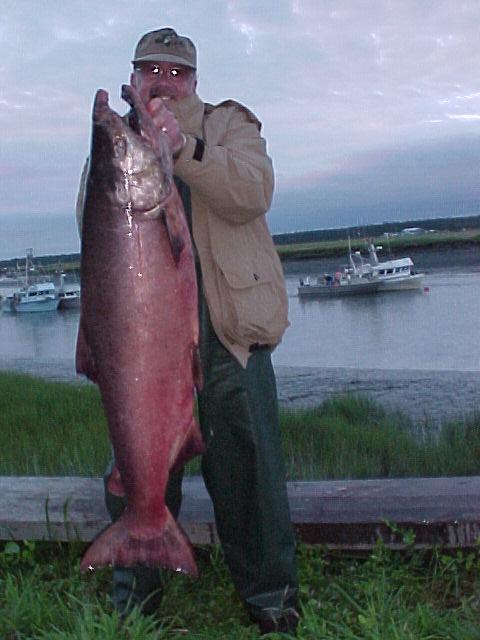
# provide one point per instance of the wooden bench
(347, 515)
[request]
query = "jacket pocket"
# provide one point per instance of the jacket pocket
(253, 307)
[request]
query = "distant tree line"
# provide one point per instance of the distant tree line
(63, 260)
(374, 230)
(297, 237)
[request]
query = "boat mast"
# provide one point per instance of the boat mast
(28, 257)
(350, 259)
(372, 251)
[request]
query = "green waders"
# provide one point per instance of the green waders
(244, 474)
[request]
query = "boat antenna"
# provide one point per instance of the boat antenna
(350, 259)
(387, 235)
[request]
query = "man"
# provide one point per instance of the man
(225, 180)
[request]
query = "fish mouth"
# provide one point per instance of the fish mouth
(140, 214)
(153, 213)
(102, 114)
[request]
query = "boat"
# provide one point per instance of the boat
(40, 296)
(33, 297)
(68, 294)
(365, 277)
(10, 281)
(69, 297)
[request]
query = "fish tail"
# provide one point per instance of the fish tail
(127, 542)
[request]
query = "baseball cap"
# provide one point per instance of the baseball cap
(165, 45)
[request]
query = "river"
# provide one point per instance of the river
(407, 334)
(436, 327)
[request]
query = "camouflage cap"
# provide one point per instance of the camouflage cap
(165, 45)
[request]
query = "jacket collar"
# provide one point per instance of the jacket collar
(189, 113)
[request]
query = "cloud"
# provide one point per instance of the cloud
(463, 116)
(429, 180)
(343, 89)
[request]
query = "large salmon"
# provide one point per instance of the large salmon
(138, 332)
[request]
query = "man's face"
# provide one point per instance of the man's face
(165, 80)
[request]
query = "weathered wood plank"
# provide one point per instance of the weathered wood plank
(348, 514)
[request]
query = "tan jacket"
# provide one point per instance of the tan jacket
(231, 190)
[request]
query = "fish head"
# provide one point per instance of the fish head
(135, 178)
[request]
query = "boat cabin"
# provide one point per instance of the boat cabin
(37, 290)
(390, 268)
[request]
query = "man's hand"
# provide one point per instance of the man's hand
(166, 122)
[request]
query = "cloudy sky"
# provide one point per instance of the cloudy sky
(371, 108)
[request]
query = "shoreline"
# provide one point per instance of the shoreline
(432, 396)
(466, 241)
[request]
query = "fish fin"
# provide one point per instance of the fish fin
(84, 361)
(114, 482)
(175, 224)
(192, 446)
(197, 369)
(128, 542)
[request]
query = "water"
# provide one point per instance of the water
(438, 329)
(434, 330)
(39, 336)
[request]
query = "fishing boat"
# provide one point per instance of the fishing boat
(36, 297)
(363, 276)
(69, 298)
(33, 297)
(10, 281)
(68, 294)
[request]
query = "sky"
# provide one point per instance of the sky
(370, 108)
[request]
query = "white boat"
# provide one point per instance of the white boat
(36, 297)
(68, 294)
(33, 297)
(69, 297)
(10, 281)
(364, 277)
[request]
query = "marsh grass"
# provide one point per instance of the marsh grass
(331, 248)
(353, 437)
(51, 428)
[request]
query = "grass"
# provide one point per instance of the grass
(383, 596)
(320, 249)
(51, 428)
(56, 428)
(353, 437)
(331, 248)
